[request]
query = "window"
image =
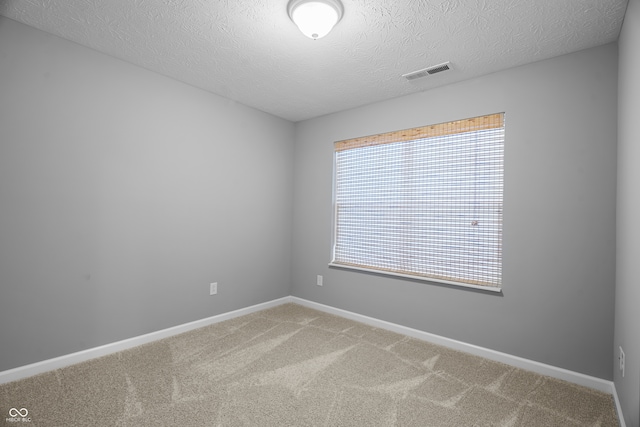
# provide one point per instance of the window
(423, 203)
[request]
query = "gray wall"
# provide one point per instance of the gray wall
(559, 226)
(123, 194)
(627, 323)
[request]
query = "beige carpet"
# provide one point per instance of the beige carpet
(293, 366)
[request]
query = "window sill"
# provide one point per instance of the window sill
(491, 289)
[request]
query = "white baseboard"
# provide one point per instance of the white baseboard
(91, 353)
(519, 362)
(618, 407)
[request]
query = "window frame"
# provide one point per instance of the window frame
(475, 124)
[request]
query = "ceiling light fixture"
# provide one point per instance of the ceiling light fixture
(315, 18)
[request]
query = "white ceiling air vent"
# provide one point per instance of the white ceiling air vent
(427, 71)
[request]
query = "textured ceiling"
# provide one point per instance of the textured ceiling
(250, 51)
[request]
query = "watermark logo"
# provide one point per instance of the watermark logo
(18, 416)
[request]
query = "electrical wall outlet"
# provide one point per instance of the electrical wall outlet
(621, 359)
(213, 288)
(319, 280)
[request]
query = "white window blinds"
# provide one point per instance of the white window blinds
(423, 202)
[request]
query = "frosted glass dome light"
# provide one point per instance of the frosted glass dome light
(315, 18)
